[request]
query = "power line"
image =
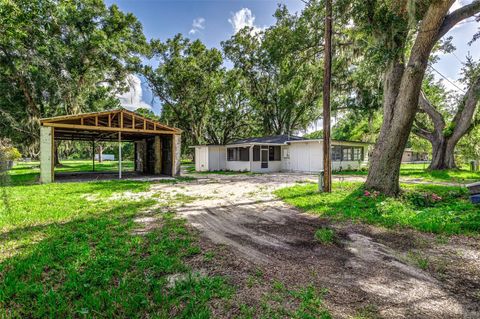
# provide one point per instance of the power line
(456, 56)
(443, 76)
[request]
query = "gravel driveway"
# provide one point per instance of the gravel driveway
(368, 266)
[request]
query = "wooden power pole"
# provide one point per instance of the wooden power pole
(327, 78)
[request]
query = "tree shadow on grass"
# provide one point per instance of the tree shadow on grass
(452, 213)
(93, 266)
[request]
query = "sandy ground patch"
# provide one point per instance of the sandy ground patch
(367, 267)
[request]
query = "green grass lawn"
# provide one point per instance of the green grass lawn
(428, 208)
(69, 250)
(420, 171)
(28, 173)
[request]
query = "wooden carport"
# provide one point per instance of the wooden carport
(157, 146)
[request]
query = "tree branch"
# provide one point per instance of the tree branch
(435, 116)
(458, 15)
(421, 132)
(464, 116)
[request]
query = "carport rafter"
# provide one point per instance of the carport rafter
(111, 121)
(115, 125)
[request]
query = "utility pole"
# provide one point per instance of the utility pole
(327, 79)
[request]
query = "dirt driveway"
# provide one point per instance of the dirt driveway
(368, 267)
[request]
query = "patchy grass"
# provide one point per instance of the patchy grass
(70, 250)
(418, 259)
(420, 171)
(428, 208)
(282, 302)
(325, 235)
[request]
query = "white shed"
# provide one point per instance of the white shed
(210, 158)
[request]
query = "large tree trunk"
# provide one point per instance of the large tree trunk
(385, 164)
(401, 92)
(100, 153)
(442, 154)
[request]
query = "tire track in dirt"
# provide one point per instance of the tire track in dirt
(242, 213)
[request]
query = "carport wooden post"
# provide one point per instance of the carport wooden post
(119, 155)
(46, 154)
(93, 155)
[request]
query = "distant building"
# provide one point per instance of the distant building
(410, 156)
(105, 157)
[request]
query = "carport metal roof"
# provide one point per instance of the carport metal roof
(105, 126)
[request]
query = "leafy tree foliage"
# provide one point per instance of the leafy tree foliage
(282, 70)
(61, 57)
(400, 36)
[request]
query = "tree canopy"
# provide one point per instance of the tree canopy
(61, 57)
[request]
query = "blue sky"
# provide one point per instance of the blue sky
(213, 21)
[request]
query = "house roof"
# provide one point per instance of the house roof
(278, 140)
(275, 139)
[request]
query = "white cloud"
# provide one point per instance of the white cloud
(197, 25)
(458, 4)
(132, 99)
(244, 18)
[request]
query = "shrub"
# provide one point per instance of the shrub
(7, 151)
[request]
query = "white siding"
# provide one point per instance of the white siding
(347, 165)
(217, 158)
(304, 157)
(201, 158)
(274, 166)
(308, 157)
(239, 166)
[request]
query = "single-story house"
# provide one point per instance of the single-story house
(279, 153)
(410, 156)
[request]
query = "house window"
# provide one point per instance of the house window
(336, 153)
(274, 153)
(347, 153)
(285, 153)
(238, 154)
(256, 153)
(357, 153)
(244, 154)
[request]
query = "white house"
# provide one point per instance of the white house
(280, 153)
